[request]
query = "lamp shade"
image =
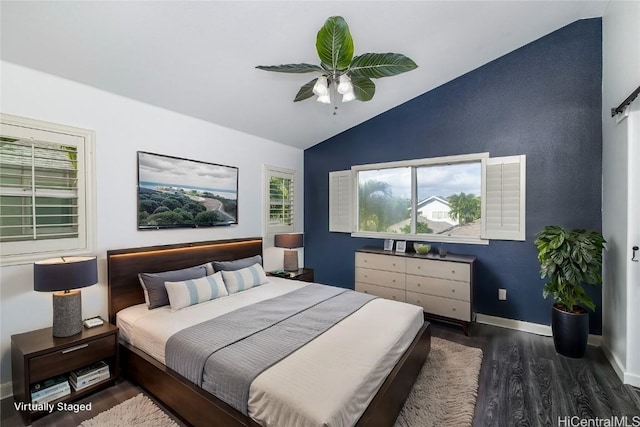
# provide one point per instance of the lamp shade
(289, 240)
(62, 274)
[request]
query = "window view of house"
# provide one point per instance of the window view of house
(447, 200)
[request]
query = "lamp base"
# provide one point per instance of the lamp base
(67, 313)
(290, 260)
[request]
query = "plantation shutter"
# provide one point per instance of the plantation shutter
(503, 199)
(43, 190)
(280, 193)
(340, 201)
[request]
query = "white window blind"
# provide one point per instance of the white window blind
(43, 191)
(340, 201)
(280, 199)
(504, 203)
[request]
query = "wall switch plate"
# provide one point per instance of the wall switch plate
(502, 294)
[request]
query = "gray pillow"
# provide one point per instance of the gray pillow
(237, 264)
(155, 294)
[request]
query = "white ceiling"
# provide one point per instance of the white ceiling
(198, 57)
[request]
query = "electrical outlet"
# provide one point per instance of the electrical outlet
(502, 294)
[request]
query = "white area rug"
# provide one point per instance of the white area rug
(445, 392)
(138, 411)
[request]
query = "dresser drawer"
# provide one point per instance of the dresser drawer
(379, 277)
(380, 262)
(381, 291)
(439, 287)
(446, 307)
(73, 357)
(441, 269)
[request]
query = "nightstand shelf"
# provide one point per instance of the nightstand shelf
(302, 274)
(38, 355)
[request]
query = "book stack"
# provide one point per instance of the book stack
(49, 390)
(89, 375)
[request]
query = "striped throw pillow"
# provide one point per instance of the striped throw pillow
(194, 291)
(245, 278)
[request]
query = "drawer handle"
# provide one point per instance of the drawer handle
(394, 297)
(453, 309)
(393, 281)
(366, 292)
(453, 272)
(453, 290)
(78, 347)
(418, 284)
(419, 267)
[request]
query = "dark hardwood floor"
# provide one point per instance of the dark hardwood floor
(523, 382)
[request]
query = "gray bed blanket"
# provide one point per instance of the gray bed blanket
(224, 355)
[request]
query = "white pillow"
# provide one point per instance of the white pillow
(245, 278)
(194, 291)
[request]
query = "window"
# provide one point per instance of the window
(46, 187)
(279, 205)
(438, 199)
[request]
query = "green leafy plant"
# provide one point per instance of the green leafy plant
(351, 76)
(570, 259)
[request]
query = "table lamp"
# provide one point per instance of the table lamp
(63, 277)
(289, 241)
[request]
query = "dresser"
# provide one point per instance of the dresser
(443, 287)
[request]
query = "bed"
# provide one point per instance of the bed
(143, 364)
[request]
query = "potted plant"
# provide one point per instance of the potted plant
(570, 259)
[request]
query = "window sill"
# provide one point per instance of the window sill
(422, 238)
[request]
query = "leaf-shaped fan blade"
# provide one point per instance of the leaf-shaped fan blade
(363, 87)
(376, 65)
(305, 91)
(334, 44)
(292, 68)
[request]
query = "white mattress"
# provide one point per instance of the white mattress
(328, 382)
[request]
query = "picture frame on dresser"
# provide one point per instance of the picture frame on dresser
(388, 244)
(401, 246)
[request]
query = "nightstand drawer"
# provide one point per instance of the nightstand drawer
(72, 357)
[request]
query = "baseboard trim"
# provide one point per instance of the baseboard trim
(6, 390)
(614, 362)
(632, 379)
(533, 328)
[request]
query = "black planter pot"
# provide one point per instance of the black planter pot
(570, 332)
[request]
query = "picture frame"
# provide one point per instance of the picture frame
(174, 192)
(401, 246)
(388, 244)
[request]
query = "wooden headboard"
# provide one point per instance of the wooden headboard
(123, 265)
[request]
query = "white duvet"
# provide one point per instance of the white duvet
(328, 382)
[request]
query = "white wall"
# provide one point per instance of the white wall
(621, 75)
(122, 127)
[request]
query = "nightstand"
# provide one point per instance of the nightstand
(302, 274)
(38, 355)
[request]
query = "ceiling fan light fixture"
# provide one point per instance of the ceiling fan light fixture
(338, 65)
(321, 88)
(349, 96)
(345, 85)
(324, 99)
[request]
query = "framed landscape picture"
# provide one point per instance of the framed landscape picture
(175, 192)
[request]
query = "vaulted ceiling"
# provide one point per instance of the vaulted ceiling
(198, 57)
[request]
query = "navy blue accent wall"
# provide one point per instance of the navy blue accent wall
(542, 100)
